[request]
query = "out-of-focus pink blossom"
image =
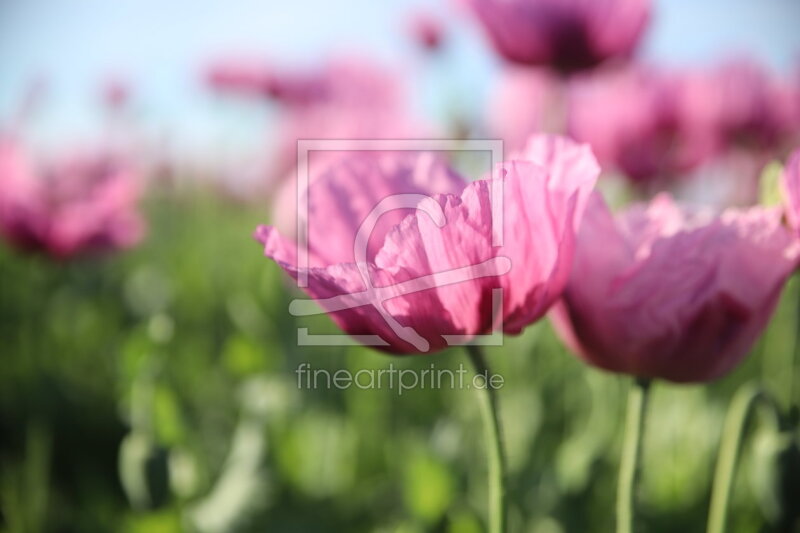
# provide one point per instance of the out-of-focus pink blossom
(427, 31)
(790, 187)
(794, 101)
(664, 292)
(342, 99)
(756, 109)
(648, 124)
(239, 76)
(345, 81)
(116, 93)
(525, 101)
(353, 81)
(361, 101)
(434, 272)
(84, 203)
(263, 81)
(567, 35)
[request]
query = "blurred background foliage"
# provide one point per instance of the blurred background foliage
(155, 391)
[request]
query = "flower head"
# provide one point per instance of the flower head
(755, 109)
(81, 204)
(565, 34)
(663, 292)
(434, 265)
(649, 124)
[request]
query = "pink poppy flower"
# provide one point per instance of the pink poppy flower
(663, 292)
(755, 109)
(431, 269)
(85, 203)
(567, 35)
(648, 124)
(790, 186)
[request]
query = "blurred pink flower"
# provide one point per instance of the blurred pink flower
(756, 109)
(648, 124)
(431, 272)
(361, 101)
(239, 76)
(84, 203)
(790, 187)
(343, 98)
(427, 31)
(116, 93)
(567, 35)
(526, 101)
(664, 292)
(339, 81)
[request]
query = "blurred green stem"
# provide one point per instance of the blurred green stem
(494, 443)
(793, 369)
(631, 454)
(742, 406)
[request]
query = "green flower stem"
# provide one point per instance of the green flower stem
(741, 409)
(494, 444)
(794, 390)
(631, 455)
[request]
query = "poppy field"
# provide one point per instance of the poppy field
(568, 305)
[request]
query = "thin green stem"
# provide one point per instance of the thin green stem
(631, 455)
(795, 358)
(494, 443)
(741, 409)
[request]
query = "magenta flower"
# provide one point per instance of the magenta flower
(431, 269)
(756, 109)
(567, 35)
(650, 125)
(790, 186)
(81, 204)
(663, 292)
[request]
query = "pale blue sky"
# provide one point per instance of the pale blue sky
(162, 45)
